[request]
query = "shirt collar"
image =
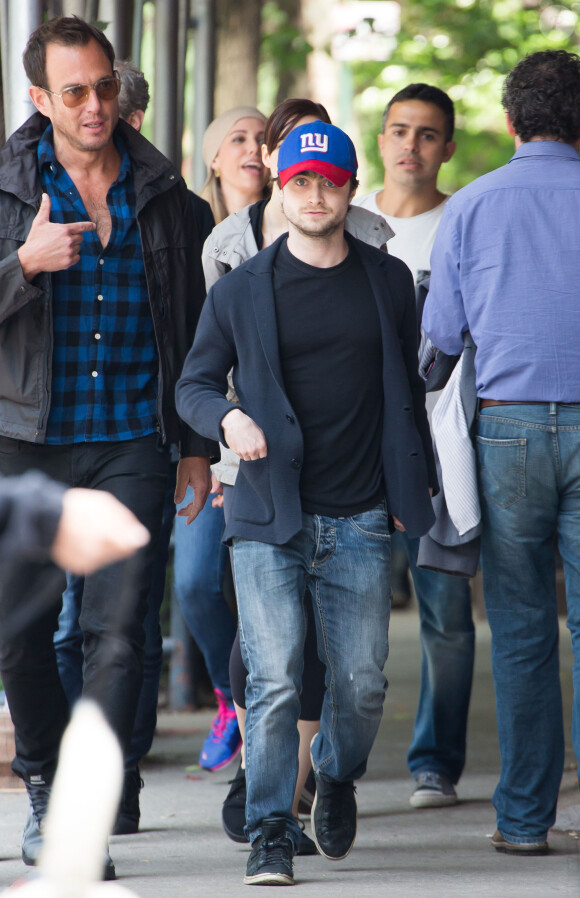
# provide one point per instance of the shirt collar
(46, 155)
(545, 148)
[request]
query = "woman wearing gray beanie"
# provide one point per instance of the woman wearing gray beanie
(232, 152)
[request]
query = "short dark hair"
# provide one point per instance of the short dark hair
(541, 95)
(134, 93)
(285, 117)
(427, 93)
(70, 31)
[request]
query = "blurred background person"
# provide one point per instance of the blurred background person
(236, 176)
(232, 152)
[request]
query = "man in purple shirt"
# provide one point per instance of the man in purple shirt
(504, 266)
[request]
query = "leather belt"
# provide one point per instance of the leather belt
(489, 403)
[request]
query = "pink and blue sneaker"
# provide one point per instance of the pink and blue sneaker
(224, 741)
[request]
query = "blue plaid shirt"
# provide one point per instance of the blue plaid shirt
(105, 363)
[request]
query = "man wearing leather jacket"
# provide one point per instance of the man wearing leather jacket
(101, 287)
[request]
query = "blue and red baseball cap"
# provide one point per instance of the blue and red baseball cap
(317, 147)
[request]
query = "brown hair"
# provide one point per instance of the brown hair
(285, 117)
(70, 31)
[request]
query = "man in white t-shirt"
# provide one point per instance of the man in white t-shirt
(417, 138)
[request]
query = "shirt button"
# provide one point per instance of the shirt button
(290, 418)
(295, 462)
(101, 261)
(95, 373)
(97, 336)
(100, 297)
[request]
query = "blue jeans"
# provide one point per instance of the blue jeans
(198, 575)
(345, 564)
(447, 657)
(68, 639)
(529, 470)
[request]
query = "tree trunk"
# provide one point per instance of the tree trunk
(237, 53)
(292, 83)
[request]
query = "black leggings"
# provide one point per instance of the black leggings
(314, 670)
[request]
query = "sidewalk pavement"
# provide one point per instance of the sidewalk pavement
(181, 851)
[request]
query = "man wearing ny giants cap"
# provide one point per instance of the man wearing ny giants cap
(331, 428)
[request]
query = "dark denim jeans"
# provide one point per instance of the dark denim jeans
(113, 608)
(345, 563)
(529, 470)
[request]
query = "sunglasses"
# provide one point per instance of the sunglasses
(105, 89)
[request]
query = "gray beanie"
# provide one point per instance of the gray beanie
(216, 132)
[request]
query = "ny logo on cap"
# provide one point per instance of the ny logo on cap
(318, 142)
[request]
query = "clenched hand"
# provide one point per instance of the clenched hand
(50, 246)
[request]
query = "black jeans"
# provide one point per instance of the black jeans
(114, 600)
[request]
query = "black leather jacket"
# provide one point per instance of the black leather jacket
(172, 258)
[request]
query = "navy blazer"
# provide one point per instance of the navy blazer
(237, 329)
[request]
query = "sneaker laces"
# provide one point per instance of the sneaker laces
(223, 718)
(39, 797)
(334, 803)
(431, 779)
(274, 850)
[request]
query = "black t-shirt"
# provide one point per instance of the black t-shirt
(330, 344)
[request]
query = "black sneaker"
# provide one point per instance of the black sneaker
(32, 836)
(129, 812)
(38, 795)
(270, 861)
(333, 817)
(234, 816)
(234, 808)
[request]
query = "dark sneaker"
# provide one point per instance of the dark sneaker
(234, 815)
(32, 835)
(307, 795)
(270, 860)
(224, 741)
(333, 817)
(234, 808)
(433, 791)
(38, 795)
(532, 849)
(129, 813)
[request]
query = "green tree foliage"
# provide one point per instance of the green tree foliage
(465, 47)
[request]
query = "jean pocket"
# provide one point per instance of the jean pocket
(502, 470)
(374, 522)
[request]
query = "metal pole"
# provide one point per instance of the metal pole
(203, 82)
(119, 16)
(182, 40)
(137, 38)
(165, 98)
(23, 17)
